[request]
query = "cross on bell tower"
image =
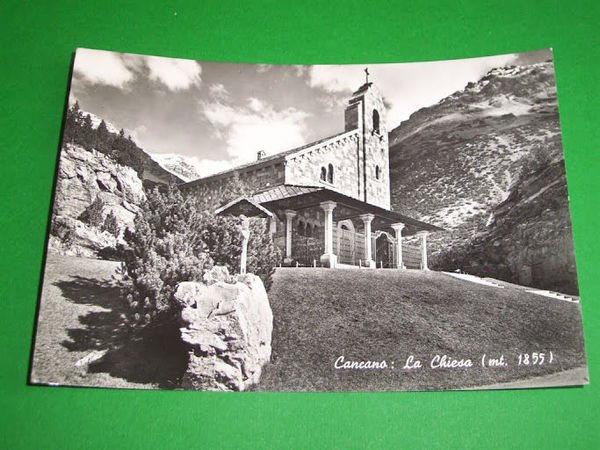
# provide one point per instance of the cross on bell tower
(367, 75)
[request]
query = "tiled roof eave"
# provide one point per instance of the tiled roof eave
(285, 192)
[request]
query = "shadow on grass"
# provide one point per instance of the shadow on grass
(154, 355)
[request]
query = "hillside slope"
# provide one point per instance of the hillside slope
(102, 178)
(322, 314)
(93, 133)
(457, 163)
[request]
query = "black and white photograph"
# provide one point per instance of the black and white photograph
(256, 227)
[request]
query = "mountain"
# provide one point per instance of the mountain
(486, 163)
(185, 168)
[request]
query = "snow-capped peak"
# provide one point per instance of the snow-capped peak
(185, 167)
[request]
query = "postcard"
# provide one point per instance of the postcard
(376, 227)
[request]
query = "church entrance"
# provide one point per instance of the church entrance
(346, 243)
(384, 251)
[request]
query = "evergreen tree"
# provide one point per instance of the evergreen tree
(88, 133)
(92, 215)
(166, 248)
(111, 224)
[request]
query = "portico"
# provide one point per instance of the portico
(319, 226)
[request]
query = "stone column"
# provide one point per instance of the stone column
(245, 231)
(398, 227)
(367, 219)
(328, 259)
(289, 217)
(423, 235)
(374, 248)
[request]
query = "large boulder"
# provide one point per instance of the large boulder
(227, 325)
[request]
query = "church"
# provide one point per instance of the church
(328, 202)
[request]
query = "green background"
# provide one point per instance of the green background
(37, 42)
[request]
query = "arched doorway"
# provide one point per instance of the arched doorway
(384, 250)
(346, 242)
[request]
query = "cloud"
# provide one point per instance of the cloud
(207, 167)
(300, 71)
(102, 67)
(406, 87)
(256, 105)
(118, 69)
(175, 74)
(72, 98)
(218, 91)
(335, 78)
(254, 126)
(137, 133)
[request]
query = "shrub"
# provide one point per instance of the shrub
(165, 249)
(92, 215)
(224, 243)
(263, 254)
(111, 224)
(177, 238)
(61, 230)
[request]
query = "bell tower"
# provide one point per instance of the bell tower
(366, 113)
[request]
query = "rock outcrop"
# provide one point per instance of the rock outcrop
(83, 175)
(227, 325)
(83, 178)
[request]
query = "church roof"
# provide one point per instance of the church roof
(283, 191)
(244, 206)
(295, 197)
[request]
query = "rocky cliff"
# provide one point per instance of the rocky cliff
(90, 186)
(486, 163)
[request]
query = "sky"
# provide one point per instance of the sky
(220, 114)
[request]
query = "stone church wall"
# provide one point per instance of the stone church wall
(305, 169)
(251, 179)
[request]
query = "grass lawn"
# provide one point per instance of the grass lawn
(375, 315)
(81, 338)
(319, 315)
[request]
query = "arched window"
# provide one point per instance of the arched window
(377, 172)
(323, 174)
(375, 121)
(301, 231)
(330, 174)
